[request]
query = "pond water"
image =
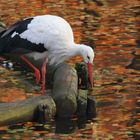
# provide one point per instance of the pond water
(112, 28)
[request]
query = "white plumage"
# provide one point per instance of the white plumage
(53, 31)
(14, 34)
(47, 33)
(57, 36)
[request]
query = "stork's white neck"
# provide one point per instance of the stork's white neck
(62, 54)
(74, 50)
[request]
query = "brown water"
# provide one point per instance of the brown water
(113, 28)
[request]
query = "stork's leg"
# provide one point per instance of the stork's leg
(43, 69)
(36, 70)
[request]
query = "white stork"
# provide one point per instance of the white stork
(47, 33)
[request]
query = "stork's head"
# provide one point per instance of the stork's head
(88, 56)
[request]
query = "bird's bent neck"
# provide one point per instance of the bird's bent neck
(74, 50)
(64, 53)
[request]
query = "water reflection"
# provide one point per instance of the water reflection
(59, 127)
(66, 126)
(114, 31)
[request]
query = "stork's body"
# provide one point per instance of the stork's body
(44, 33)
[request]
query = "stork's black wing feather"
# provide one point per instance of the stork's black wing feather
(9, 44)
(18, 27)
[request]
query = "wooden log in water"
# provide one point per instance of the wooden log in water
(65, 90)
(91, 106)
(81, 102)
(27, 110)
(63, 80)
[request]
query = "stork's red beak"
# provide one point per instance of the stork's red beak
(89, 67)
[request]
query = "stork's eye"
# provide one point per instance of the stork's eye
(88, 57)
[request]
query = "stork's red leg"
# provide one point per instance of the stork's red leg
(36, 70)
(44, 75)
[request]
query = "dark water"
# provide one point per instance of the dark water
(112, 28)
